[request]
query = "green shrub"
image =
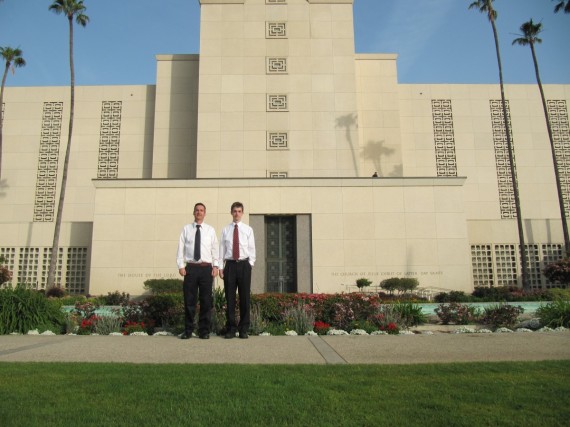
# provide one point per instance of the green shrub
(501, 315)
(115, 298)
(164, 310)
(386, 318)
(452, 296)
(108, 324)
(390, 284)
(55, 292)
(23, 309)
(558, 271)
(257, 323)
(299, 318)
(365, 325)
(163, 286)
(410, 314)
(363, 282)
(5, 274)
(555, 313)
(456, 313)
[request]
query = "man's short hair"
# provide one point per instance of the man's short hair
(236, 205)
(200, 204)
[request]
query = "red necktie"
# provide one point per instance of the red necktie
(235, 246)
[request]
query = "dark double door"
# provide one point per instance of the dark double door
(281, 260)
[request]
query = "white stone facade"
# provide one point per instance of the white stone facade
(279, 112)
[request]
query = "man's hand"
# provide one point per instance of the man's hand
(214, 271)
(182, 271)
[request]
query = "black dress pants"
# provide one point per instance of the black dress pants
(237, 276)
(198, 284)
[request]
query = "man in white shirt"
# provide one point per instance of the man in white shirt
(198, 261)
(237, 252)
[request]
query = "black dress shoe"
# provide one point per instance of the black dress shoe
(229, 335)
(204, 336)
(243, 335)
(186, 336)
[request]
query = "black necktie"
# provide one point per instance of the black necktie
(197, 244)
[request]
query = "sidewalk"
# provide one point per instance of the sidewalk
(386, 349)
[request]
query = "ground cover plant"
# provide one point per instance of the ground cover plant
(461, 394)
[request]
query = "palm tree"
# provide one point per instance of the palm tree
(13, 59)
(486, 6)
(70, 9)
(562, 5)
(530, 32)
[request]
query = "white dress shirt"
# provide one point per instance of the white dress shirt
(209, 247)
(246, 242)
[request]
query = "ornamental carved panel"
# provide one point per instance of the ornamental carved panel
(46, 178)
(109, 140)
(502, 162)
(276, 30)
(277, 140)
(444, 137)
(276, 66)
(558, 115)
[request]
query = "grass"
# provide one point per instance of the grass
(461, 394)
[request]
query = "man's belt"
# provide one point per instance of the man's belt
(199, 264)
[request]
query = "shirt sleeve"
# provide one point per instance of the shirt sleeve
(180, 253)
(215, 249)
(251, 247)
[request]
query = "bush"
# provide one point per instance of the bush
(23, 309)
(390, 284)
(115, 298)
(299, 318)
(257, 323)
(558, 271)
(401, 284)
(363, 283)
(164, 310)
(386, 318)
(5, 274)
(410, 314)
(456, 313)
(163, 286)
(452, 296)
(555, 314)
(55, 292)
(321, 328)
(502, 315)
(108, 324)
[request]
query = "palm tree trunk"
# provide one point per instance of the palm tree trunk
(56, 233)
(554, 160)
(2, 118)
(524, 263)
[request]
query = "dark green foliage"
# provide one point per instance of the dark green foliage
(456, 313)
(452, 296)
(165, 310)
(502, 315)
(55, 292)
(410, 314)
(23, 309)
(555, 313)
(559, 271)
(163, 286)
(363, 282)
(401, 284)
(115, 298)
(390, 284)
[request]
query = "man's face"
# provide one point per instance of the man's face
(237, 213)
(199, 213)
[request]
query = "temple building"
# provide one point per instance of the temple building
(279, 112)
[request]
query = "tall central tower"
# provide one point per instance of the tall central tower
(277, 89)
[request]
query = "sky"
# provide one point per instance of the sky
(437, 41)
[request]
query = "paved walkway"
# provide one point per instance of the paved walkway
(400, 349)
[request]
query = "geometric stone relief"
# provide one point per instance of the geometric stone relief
(276, 66)
(444, 138)
(275, 30)
(275, 1)
(76, 270)
(277, 140)
(46, 183)
(278, 174)
(499, 264)
(558, 115)
(502, 163)
(109, 140)
(277, 102)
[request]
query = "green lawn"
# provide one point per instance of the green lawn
(461, 394)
